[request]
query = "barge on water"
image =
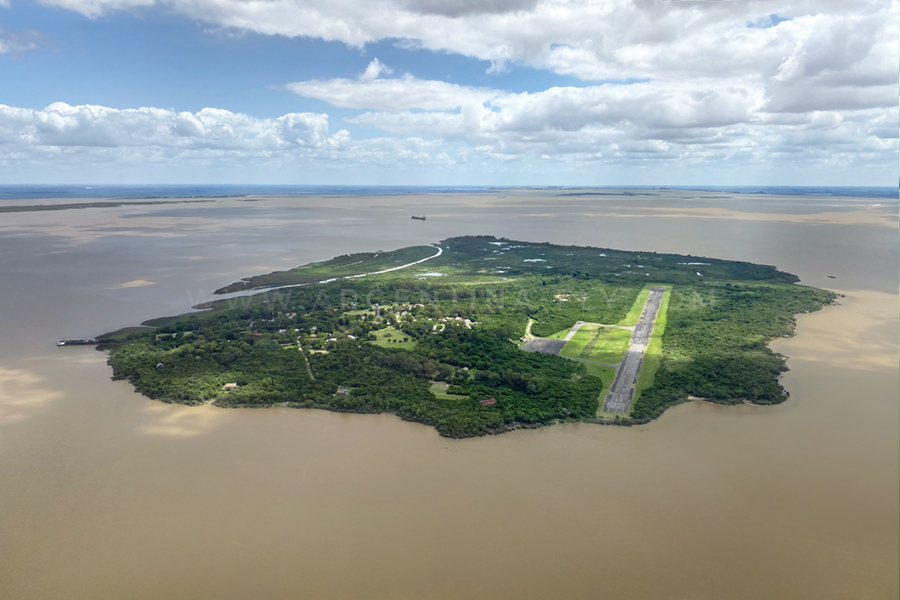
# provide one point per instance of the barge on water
(422, 218)
(90, 342)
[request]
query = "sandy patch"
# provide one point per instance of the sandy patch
(134, 283)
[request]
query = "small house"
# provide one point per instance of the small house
(228, 387)
(488, 402)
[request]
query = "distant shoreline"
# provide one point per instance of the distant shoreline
(163, 192)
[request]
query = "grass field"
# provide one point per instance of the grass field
(637, 308)
(598, 344)
(439, 389)
(393, 338)
(653, 354)
(560, 334)
(606, 374)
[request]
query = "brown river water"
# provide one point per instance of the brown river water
(105, 494)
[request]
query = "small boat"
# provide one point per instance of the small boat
(422, 218)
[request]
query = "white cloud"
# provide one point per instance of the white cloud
(62, 125)
(740, 82)
(400, 93)
(591, 39)
(659, 121)
(16, 42)
(612, 126)
(375, 69)
(102, 143)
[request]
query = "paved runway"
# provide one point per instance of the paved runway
(547, 346)
(622, 390)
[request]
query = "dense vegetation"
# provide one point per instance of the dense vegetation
(377, 344)
(715, 347)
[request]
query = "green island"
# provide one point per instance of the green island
(480, 335)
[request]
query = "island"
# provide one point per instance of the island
(479, 335)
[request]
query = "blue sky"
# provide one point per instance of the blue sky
(509, 92)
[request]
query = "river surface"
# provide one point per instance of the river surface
(106, 494)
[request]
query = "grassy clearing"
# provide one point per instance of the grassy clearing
(610, 346)
(609, 416)
(393, 338)
(598, 344)
(653, 354)
(560, 334)
(606, 374)
(439, 389)
(585, 334)
(634, 314)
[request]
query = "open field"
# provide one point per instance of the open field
(598, 344)
(634, 313)
(390, 337)
(606, 374)
(439, 389)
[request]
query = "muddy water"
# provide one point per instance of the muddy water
(105, 494)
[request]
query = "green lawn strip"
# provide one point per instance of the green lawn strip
(559, 334)
(582, 338)
(604, 346)
(393, 338)
(610, 347)
(634, 314)
(439, 389)
(653, 354)
(606, 374)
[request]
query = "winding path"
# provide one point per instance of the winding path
(420, 261)
(264, 289)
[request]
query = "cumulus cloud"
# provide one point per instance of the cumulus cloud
(650, 121)
(375, 69)
(107, 142)
(802, 82)
(399, 93)
(62, 125)
(589, 39)
(459, 8)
